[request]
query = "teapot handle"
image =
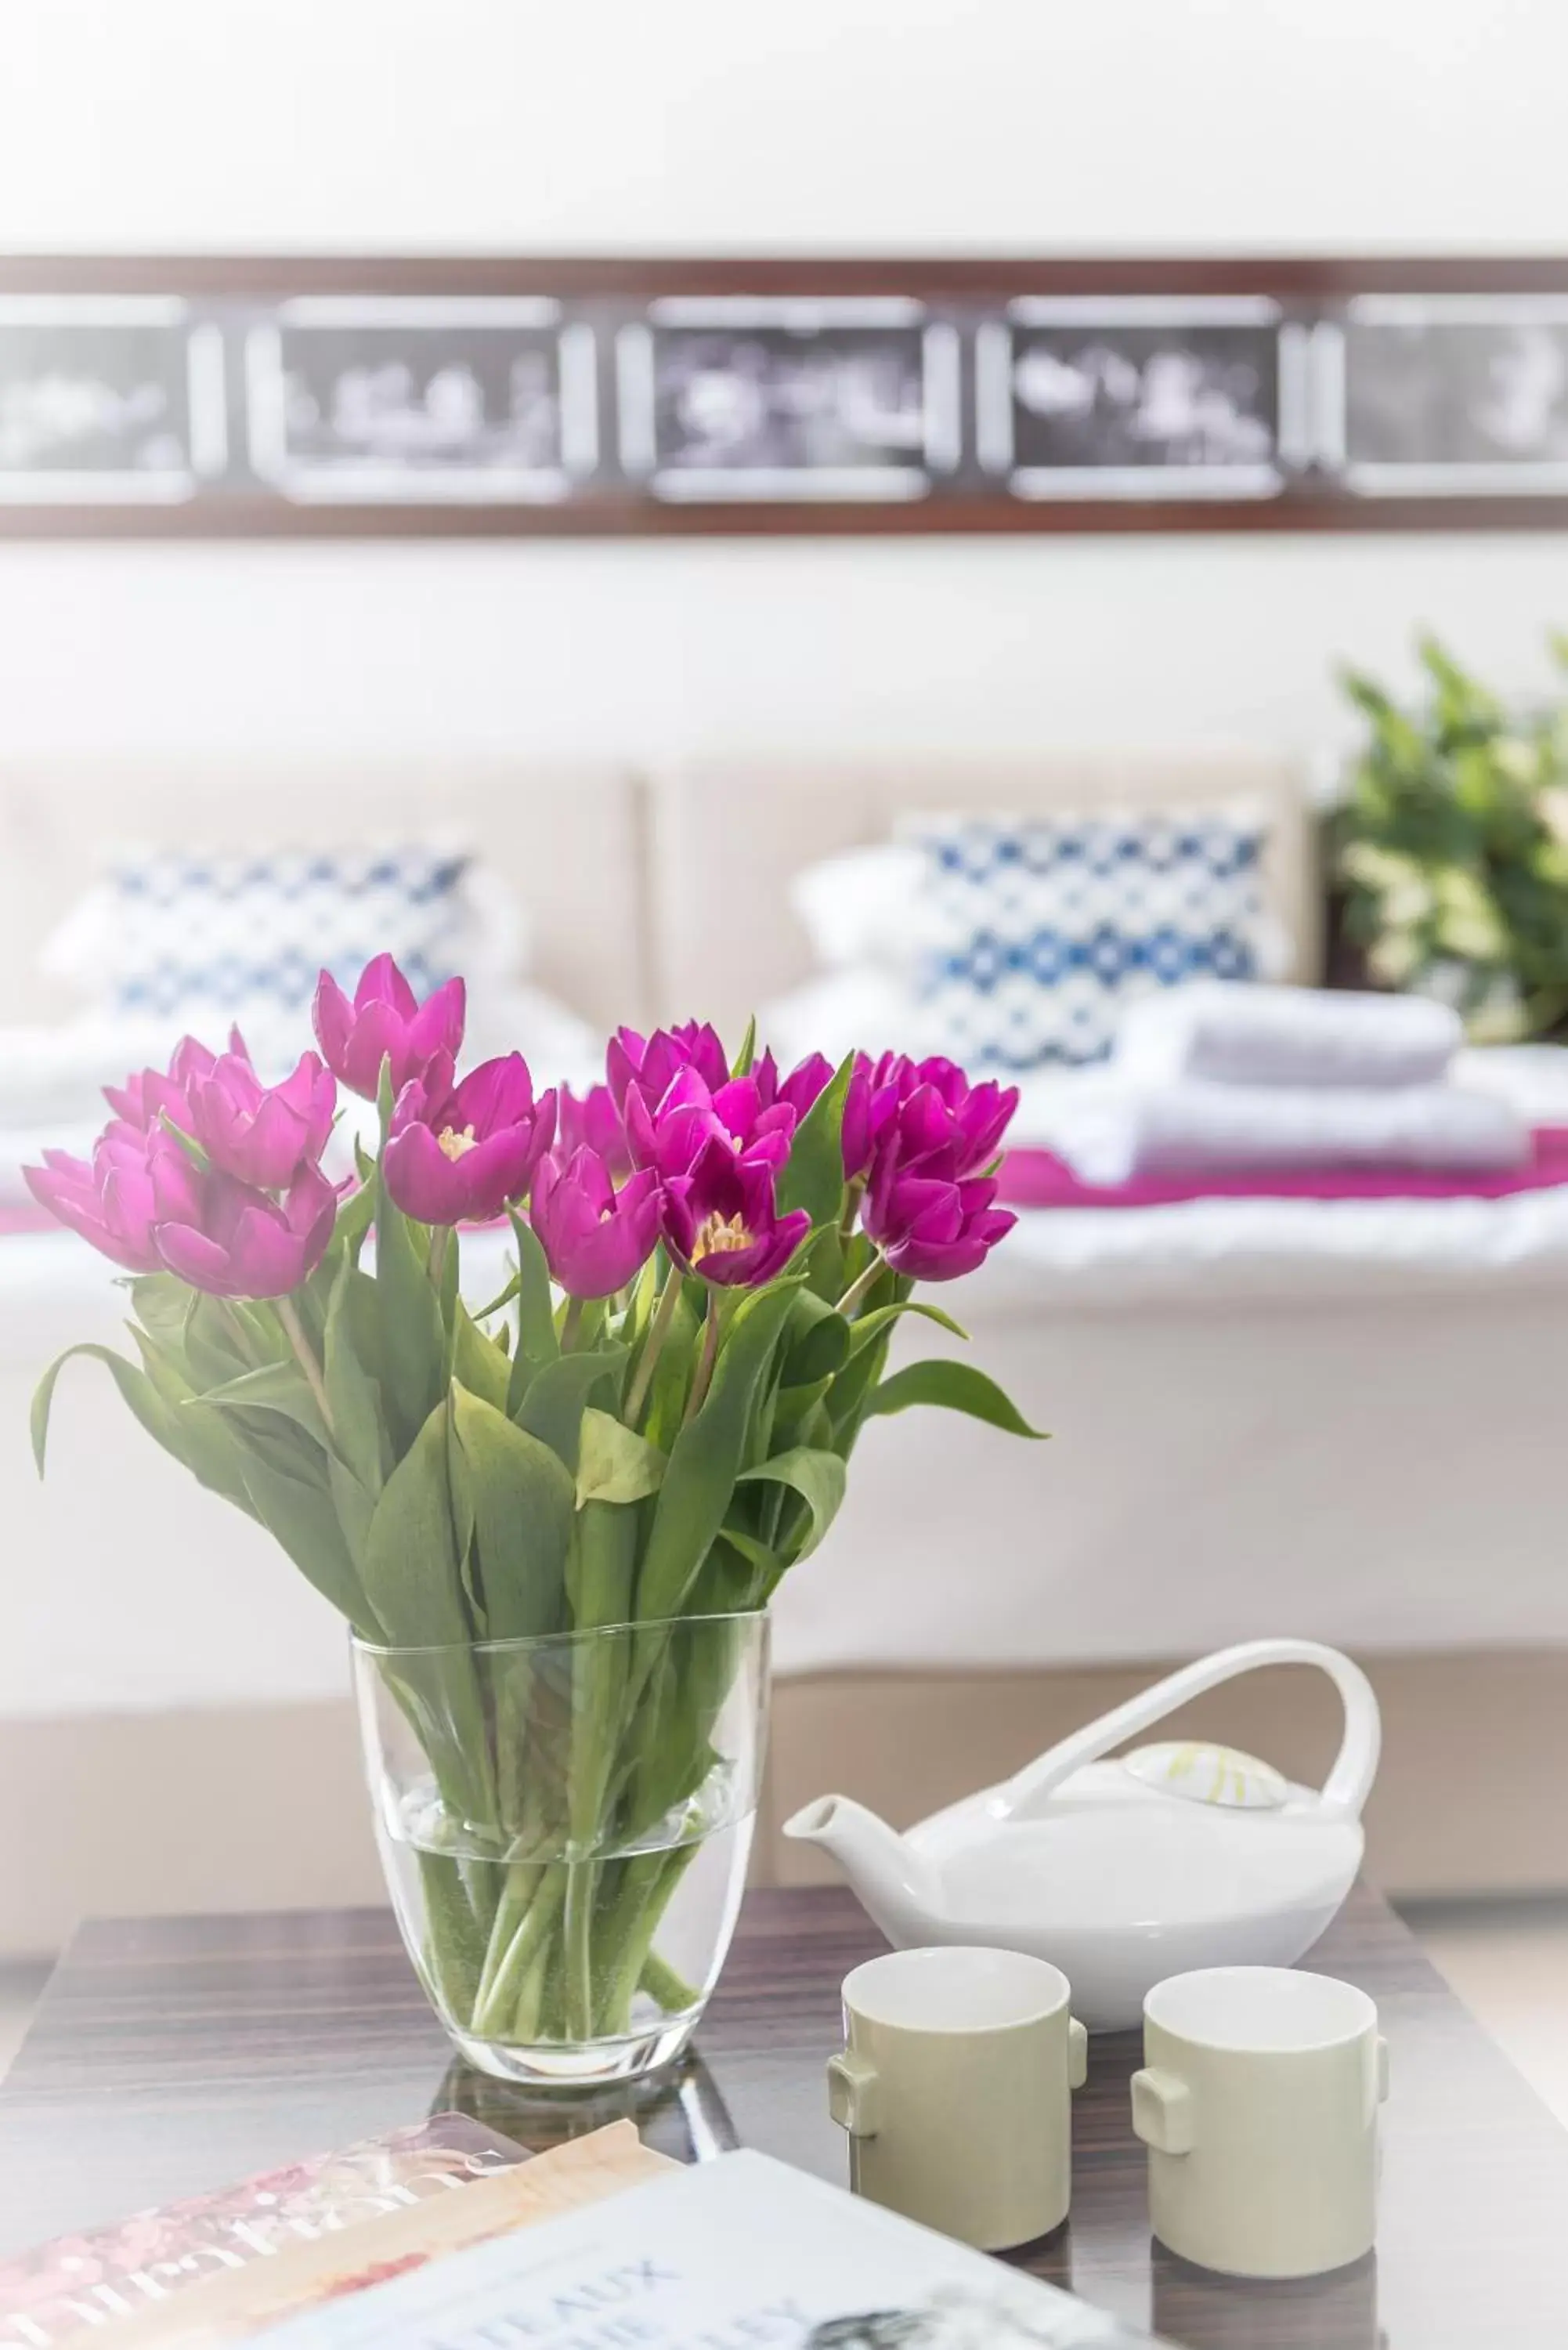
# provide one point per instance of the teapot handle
(1344, 1790)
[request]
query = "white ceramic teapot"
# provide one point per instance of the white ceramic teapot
(1123, 1872)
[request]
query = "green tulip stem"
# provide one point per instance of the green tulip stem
(439, 1239)
(571, 1324)
(856, 1293)
(288, 1314)
(659, 1330)
(852, 1198)
(702, 1378)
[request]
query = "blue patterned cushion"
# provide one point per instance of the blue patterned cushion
(1039, 931)
(195, 934)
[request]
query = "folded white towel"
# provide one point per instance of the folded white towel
(1234, 1035)
(1113, 1132)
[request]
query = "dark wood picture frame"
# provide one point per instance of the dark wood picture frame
(593, 482)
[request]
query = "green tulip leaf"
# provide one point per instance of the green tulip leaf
(952, 1387)
(412, 1576)
(353, 1395)
(156, 1416)
(602, 1565)
(477, 1362)
(355, 1509)
(819, 1340)
(708, 1455)
(812, 1176)
(614, 1464)
(741, 1067)
(162, 1306)
(818, 1478)
(413, 1349)
(553, 1408)
(280, 1388)
(536, 1341)
(868, 1327)
(304, 1523)
(518, 1498)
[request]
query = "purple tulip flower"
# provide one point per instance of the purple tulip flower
(461, 1155)
(387, 1021)
(592, 1124)
(652, 1063)
(723, 1224)
(595, 1237)
(799, 1089)
(922, 1110)
(933, 1227)
(233, 1240)
(671, 1136)
(113, 1202)
(150, 1095)
(263, 1134)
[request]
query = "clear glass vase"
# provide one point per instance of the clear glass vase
(564, 1825)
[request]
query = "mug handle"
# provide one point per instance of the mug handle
(1162, 2111)
(1077, 2054)
(854, 2094)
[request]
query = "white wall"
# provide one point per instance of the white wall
(834, 124)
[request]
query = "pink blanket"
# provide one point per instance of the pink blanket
(1037, 1178)
(25, 1218)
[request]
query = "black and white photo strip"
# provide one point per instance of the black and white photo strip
(368, 398)
(608, 406)
(1449, 396)
(108, 400)
(1141, 397)
(746, 397)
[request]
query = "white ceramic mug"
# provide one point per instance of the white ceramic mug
(1259, 2106)
(955, 2088)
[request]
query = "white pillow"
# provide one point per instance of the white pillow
(860, 908)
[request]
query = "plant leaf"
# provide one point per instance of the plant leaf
(536, 1341)
(602, 1565)
(413, 1348)
(819, 1340)
(553, 1407)
(477, 1362)
(358, 1419)
(280, 1388)
(741, 1067)
(953, 1386)
(412, 1569)
(813, 1177)
(614, 1464)
(868, 1327)
(519, 1501)
(707, 1455)
(818, 1478)
(301, 1519)
(156, 1416)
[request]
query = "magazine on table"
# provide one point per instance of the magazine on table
(107, 2274)
(742, 2254)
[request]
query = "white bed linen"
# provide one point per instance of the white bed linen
(1374, 1458)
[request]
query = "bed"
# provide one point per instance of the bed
(1340, 1420)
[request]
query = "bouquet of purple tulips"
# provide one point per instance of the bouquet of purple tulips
(649, 1424)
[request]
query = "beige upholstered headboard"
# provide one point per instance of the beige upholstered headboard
(727, 836)
(570, 842)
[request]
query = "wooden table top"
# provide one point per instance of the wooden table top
(172, 2056)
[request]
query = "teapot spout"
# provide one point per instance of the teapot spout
(899, 1889)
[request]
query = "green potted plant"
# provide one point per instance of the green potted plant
(1448, 854)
